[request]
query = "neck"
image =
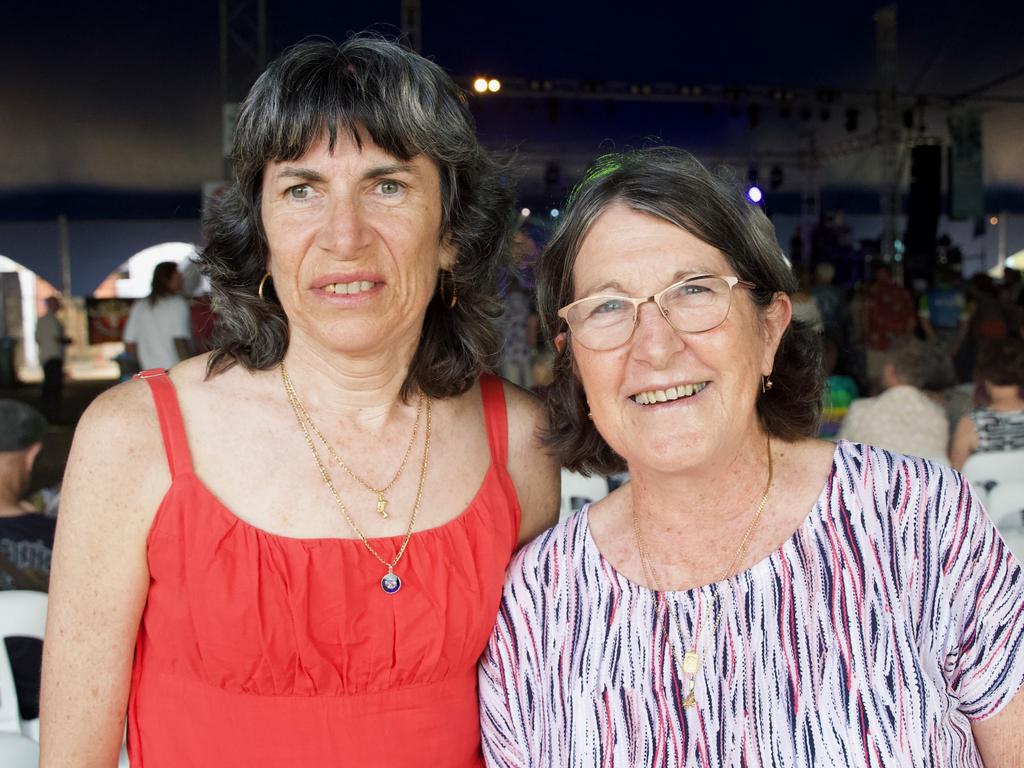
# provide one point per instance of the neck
(1005, 398)
(721, 491)
(11, 504)
(365, 388)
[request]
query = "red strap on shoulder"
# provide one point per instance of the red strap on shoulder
(172, 427)
(492, 392)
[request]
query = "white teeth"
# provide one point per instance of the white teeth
(667, 395)
(357, 286)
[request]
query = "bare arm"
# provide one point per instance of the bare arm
(964, 443)
(115, 478)
(534, 472)
(1000, 738)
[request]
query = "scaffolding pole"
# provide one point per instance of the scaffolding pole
(888, 131)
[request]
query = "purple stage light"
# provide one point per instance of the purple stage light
(754, 194)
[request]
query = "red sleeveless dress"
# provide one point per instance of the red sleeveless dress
(262, 650)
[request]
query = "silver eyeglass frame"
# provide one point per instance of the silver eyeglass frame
(637, 301)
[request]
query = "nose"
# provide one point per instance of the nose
(655, 341)
(343, 230)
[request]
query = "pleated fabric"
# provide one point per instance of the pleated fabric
(259, 649)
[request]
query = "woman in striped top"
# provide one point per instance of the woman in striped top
(999, 426)
(753, 596)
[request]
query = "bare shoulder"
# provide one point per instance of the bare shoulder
(117, 466)
(526, 415)
(534, 471)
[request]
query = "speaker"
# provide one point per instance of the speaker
(924, 204)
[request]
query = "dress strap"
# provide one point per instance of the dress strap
(492, 392)
(171, 425)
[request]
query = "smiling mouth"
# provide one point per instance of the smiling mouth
(652, 396)
(348, 289)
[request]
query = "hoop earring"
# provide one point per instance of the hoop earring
(766, 383)
(450, 303)
(259, 289)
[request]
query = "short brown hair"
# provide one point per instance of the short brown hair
(672, 185)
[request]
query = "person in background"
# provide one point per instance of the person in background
(752, 596)
(999, 426)
(52, 341)
(831, 301)
(159, 328)
(903, 418)
(888, 314)
(942, 311)
(26, 538)
(840, 392)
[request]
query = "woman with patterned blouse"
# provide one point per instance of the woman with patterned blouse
(1000, 425)
(753, 596)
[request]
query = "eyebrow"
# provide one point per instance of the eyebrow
(615, 285)
(376, 172)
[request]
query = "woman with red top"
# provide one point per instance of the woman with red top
(290, 551)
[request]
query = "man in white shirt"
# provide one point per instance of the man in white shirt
(903, 419)
(51, 339)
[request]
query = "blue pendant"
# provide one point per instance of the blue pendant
(390, 583)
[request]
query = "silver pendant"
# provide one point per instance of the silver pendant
(391, 583)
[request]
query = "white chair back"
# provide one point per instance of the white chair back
(988, 469)
(22, 614)
(17, 751)
(1006, 505)
(578, 490)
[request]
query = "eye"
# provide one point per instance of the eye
(300, 192)
(390, 187)
(608, 306)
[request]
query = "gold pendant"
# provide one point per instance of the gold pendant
(690, 701)
(690, 662)
(382, 505)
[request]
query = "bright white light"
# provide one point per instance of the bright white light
(494, 85)
(554, 213)
(754, 194)
(525, 212)
(480, 85)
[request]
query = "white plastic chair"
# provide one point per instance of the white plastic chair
(987, 469)
(578, 490)
(1006, 505)
(22, 614)
(17, 751)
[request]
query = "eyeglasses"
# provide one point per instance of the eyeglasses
(696, 304)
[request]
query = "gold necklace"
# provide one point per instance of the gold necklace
(382, 501)
(691, 660)
(390, 582)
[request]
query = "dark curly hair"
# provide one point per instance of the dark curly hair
(1001, 362)
(672, 185)
(407, 106)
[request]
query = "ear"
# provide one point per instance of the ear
(30, 456)
(775, 320)
(448, 254)
(559, 341)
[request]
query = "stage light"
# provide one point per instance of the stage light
(554, 213)
(494, 85)
(525, 212)
(754, 194)
(994, 221)
(480, 85)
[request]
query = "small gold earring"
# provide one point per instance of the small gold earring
(263, 281)
(766, 383)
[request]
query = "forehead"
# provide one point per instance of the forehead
(350, 155)
(640, 253)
